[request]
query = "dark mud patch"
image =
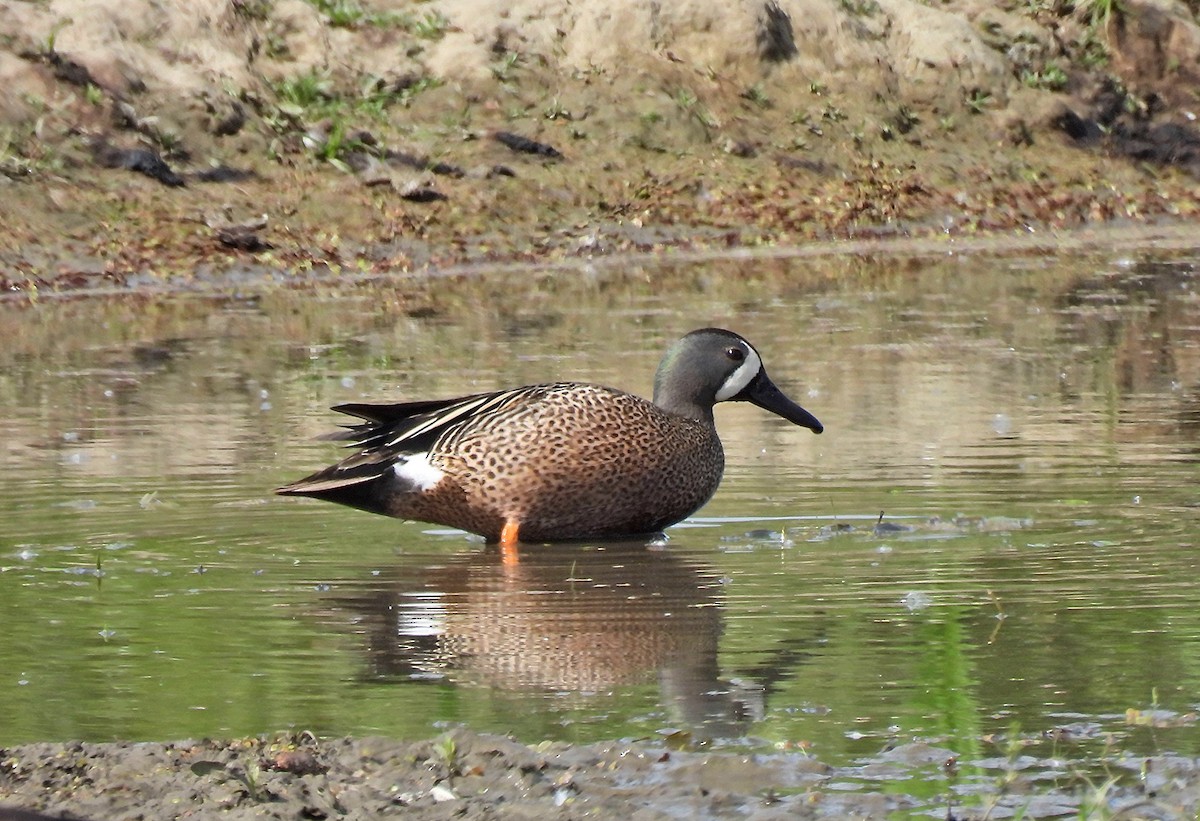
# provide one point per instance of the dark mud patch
(1126, 127)
(471, 776)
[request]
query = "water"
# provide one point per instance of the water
(1026, 425)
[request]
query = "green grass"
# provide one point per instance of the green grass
(305, 91)
(432, 26)
(978, 101)
(757, 95)
(352, 14)
(1051, 78)
(313, 96)
(860, 8)
(259, 10)
(23, 153)
(505, 69)
(1098, 13)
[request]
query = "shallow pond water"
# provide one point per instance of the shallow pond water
(994, 536)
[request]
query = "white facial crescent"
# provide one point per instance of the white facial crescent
(739, 379)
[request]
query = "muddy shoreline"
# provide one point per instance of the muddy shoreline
(466, 775)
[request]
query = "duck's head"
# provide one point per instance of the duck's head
(713, 365)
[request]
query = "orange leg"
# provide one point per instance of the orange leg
(508, 542)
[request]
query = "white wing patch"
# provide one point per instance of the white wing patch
(739, 379)
(415, 469)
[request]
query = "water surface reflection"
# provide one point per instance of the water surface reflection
(567, 619)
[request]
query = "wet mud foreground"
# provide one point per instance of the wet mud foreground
(473, 776)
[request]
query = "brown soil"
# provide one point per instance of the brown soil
(145, 147)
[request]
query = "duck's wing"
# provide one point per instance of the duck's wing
(391, 432)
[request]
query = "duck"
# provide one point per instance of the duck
(555, 462)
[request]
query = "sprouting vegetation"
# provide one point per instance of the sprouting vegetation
(304, 91)
(430, 26)
(688, 103)
(556, 111)
(313, 97)
(52, 36)
(1089, 49)
(978, 100)
(23, 152)
(505, 68)
(860, 8)
(446, 751)
(352, 14)
(314, 94)
(757, 95)
(833, 114)
(253, 9)
(1098, 13)
(1051, 77)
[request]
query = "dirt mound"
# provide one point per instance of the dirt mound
(439, 132)
(183, 60)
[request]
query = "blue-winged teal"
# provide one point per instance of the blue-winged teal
(559, 461)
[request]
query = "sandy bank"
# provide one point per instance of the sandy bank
(150, 142)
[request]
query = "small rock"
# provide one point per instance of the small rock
(417, 191)
(440, 793)
(140, 160)
(298, 762)
(740, 148)
(525, 145)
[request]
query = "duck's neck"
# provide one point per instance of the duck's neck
(680, 387)
(676, 403)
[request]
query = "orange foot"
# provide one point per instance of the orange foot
(508, 542)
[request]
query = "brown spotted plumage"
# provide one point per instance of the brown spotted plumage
(559, 461)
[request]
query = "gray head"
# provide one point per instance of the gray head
(712, 365)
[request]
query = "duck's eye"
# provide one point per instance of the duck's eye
(736, 354)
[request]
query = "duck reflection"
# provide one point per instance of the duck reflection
(567, 618)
